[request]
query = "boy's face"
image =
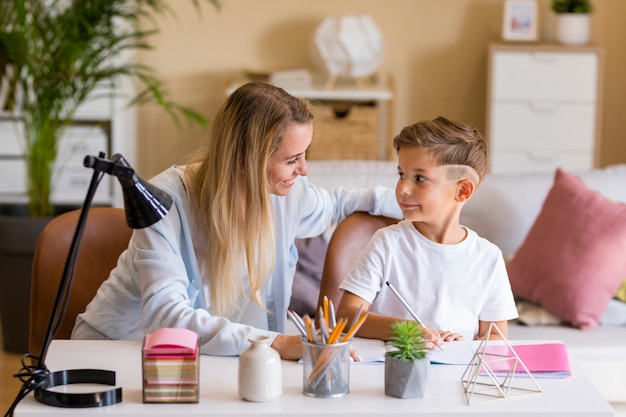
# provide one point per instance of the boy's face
(424, 192)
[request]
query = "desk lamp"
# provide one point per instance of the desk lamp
(144, 205)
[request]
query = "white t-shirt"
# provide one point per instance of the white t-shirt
(450, 287)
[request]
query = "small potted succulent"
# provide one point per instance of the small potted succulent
(406, 366)
(573, 20)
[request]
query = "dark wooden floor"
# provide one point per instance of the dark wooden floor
(9, 365)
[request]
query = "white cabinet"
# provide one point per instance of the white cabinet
(543, 108)
(70, 178)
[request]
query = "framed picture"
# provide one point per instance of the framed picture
(520, 20)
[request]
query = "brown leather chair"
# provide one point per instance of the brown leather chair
(105, 237)
(346, 243)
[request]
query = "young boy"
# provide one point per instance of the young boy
(452, 278)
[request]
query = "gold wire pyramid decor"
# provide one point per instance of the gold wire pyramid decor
(497, 372)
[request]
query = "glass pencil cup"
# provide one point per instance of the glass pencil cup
(326, 371)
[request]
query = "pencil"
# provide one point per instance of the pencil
(337, 330)
(297, 323)
(331, 312)
(324, 331)
(307, 322)
(325, 310)
(357, 316)
(354, 328)
(408, 307)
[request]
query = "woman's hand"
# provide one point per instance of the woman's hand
(288, 347)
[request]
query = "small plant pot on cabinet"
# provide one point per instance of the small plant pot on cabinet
(573, 28)
(406, 378)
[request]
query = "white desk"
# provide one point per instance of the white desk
(349, 92)
(575, 396)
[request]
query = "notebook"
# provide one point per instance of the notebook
(453, 353)
(543, 360)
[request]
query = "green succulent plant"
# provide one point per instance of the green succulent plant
(571, 6)
(408, 341)
(61, 53)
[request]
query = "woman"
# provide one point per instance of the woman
(222, 261)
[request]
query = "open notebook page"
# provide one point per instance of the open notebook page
(453, 353)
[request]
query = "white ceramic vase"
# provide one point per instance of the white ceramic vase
(573, 28)
(260, 372)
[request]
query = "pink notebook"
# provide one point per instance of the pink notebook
(543, 360)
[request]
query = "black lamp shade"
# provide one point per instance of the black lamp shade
(144, 203)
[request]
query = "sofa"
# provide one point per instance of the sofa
(512, 212)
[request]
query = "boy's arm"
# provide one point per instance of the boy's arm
(376, 326)
(483, 328)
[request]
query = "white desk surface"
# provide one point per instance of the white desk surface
(575, 396)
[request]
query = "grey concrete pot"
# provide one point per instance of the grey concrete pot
(406, 379)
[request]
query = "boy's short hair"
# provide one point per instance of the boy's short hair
(451, 143)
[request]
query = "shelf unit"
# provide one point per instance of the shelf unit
(543, 107)
(101, 124)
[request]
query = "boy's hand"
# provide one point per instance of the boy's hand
(448, 336)
(433, 336)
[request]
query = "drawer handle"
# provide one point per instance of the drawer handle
(545, 57)
(541, 157)
(542, 107)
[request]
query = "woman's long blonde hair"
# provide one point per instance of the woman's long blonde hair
(230, 192)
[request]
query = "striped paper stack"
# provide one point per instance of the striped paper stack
(170, 366)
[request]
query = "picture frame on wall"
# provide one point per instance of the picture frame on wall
(520, 20)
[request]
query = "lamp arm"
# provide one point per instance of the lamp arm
(117, 166)
(67, 277)
(35, 377)
(145, 204)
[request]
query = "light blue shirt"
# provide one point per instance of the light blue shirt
(158, 281)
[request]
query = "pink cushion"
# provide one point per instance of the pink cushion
(573, 259)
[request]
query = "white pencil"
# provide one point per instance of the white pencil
(408, 307)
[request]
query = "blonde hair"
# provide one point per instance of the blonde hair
(230, 191)
(451, 143)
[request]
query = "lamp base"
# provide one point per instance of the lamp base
(79, 400)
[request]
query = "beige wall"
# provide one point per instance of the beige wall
(435, 49)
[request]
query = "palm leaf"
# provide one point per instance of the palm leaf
(67, 52)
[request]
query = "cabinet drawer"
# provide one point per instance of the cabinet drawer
(9, 134)
(542, 125)
(70, 186)
(539, 75)
(79, 141)
(513, 162)
(12, 176)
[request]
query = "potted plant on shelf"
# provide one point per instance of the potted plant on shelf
(406, 366)
(54, 57)
(573, 20)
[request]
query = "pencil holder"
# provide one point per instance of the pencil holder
(326, 369)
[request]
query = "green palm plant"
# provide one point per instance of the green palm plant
(571, 6)
(408, 341)
(56, 55)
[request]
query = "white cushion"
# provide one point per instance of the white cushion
(504, 207)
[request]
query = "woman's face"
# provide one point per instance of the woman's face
(289, 159)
